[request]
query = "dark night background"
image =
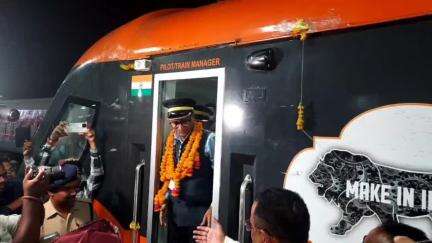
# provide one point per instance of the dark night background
(40, 41)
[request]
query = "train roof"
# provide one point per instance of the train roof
(27, 104)
(239, 22)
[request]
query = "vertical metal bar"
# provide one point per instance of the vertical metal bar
(134, 225)
(242, 207)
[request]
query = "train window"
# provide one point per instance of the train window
(73, 145)
(205, 87)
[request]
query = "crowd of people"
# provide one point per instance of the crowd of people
(52, 201)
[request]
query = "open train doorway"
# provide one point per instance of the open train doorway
(205, 87)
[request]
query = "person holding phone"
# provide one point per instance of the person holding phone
(89, 184)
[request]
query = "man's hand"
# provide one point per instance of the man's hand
(91, 138)
(58, 132)
(201, 234)
(207, 219)
(33, 212)
(204, 234)
(27, 149)
(163, 216)
(37, 186)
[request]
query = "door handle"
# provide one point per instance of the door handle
(134, 225)
(242, 207)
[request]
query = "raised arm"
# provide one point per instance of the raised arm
(94, 181)
(58, 132)
(33, 211)
(28, 154)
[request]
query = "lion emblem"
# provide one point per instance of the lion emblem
(360, 188)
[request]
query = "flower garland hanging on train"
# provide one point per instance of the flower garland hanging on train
(190, 160)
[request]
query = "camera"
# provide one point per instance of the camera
(52, 173)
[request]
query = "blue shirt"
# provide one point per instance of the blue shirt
(208, 147)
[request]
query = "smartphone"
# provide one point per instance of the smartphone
(78, 127)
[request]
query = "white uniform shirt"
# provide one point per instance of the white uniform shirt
(8, 226)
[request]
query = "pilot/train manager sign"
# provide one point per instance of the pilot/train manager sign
(188, 65)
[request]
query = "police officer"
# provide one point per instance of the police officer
(186, 173)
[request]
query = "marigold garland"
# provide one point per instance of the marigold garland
(189, 161)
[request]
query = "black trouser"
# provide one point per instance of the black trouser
(185, 215)
(180, 234)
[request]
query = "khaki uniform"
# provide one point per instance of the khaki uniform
(79, 216)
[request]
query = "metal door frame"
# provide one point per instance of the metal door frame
(156, 138)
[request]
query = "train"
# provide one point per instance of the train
(331, 99)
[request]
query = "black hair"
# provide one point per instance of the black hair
(285, 215)
(5, 158)
(393, 229)
(53, 188)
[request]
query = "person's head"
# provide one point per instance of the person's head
(279, 215)
(3, 177)
(386, 232)
(202, 113)
(182, 127)
(10, 170)
(63, 191)
(180, 116)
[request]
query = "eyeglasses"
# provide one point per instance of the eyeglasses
(179, 122)
(248, 225)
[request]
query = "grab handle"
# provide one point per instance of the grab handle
(134, 225)
(242, 207)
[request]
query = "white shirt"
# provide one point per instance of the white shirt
(229, 240)
(8, 226)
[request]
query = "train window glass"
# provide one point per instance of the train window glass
(73, 145)
(206, 88)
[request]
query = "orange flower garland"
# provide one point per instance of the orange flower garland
(189, 161)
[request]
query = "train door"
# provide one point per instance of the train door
(205, 87)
